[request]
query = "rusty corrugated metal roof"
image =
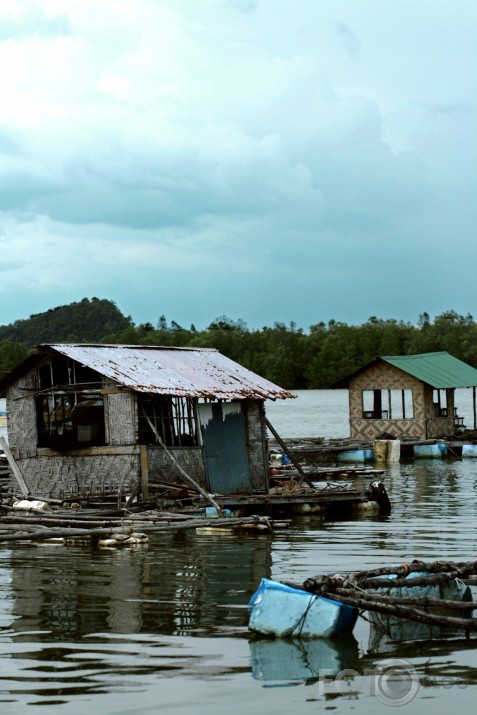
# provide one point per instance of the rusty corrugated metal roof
(187, 372)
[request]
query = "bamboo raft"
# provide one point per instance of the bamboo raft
(94, 526)
(371, 591)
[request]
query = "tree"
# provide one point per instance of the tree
(10, 355)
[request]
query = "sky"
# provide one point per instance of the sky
(265, 160)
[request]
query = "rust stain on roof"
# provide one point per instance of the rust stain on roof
(186, 372)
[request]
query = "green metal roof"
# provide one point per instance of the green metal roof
(440, 370)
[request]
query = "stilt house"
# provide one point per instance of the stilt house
(407, 396)
(95, 419)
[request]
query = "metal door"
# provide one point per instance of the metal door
(224, 437)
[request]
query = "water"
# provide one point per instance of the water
(3, 417)
(163, 628)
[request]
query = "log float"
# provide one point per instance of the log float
(369, 591)
(38, 525)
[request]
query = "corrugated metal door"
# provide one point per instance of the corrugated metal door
(224, 438)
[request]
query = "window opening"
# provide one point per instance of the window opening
(387, 404)
(173, 419)
(69, 414)
(439, 398)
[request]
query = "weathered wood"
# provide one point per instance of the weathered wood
(134, 494)
(184, 474)
(144, 472)
(432, 579)
(423, 601)
(14, 466)
(434, 573)
(53, 522)
(407, 612)
(107, 450)
(67, 532)
(351, 590)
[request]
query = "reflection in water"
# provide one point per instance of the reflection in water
(301, 659)
(166, 625)
(181, 584)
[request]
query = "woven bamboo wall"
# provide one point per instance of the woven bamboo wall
(423, 425)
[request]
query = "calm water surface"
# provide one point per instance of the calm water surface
(163, 628)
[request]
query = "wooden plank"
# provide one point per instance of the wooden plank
(106, 450)
(15, 468)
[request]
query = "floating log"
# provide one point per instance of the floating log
(353, 590)
(437, 570)
(42, 533)
(427, 601)
(408, 612)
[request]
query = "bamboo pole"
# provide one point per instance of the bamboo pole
(424, 601)
(413, 614)
(435, 567)
(15, 468)
(351, 590)
(43, 533)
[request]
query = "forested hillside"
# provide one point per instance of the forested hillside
(290, 356)
(88, 320)
(85, 321)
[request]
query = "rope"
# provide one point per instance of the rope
(301, 621)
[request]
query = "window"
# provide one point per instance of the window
(69, 405)
(170, 418)
(70, 419)
(439, 398)
(387, 404)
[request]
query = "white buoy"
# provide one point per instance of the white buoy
(27, 504)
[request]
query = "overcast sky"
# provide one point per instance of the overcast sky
(267, 160)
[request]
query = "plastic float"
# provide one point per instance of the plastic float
(284, 611)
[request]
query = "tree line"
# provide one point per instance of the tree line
(287, 355)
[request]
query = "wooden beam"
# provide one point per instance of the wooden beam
(15, 468)
(184, 474)
(287, 452)
(144, 471)
(475, 409)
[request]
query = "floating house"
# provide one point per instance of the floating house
(407, 396)
(101, 419)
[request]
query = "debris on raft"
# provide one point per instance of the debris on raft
(437, 594)
(38, 520)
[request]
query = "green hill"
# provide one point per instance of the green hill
(85, 321)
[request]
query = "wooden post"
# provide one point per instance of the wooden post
(15, 468)
(284, 447)
(475, 409)
(144, 471)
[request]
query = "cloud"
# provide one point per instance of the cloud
(243, 5)
(192, 140)
(350, 41)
